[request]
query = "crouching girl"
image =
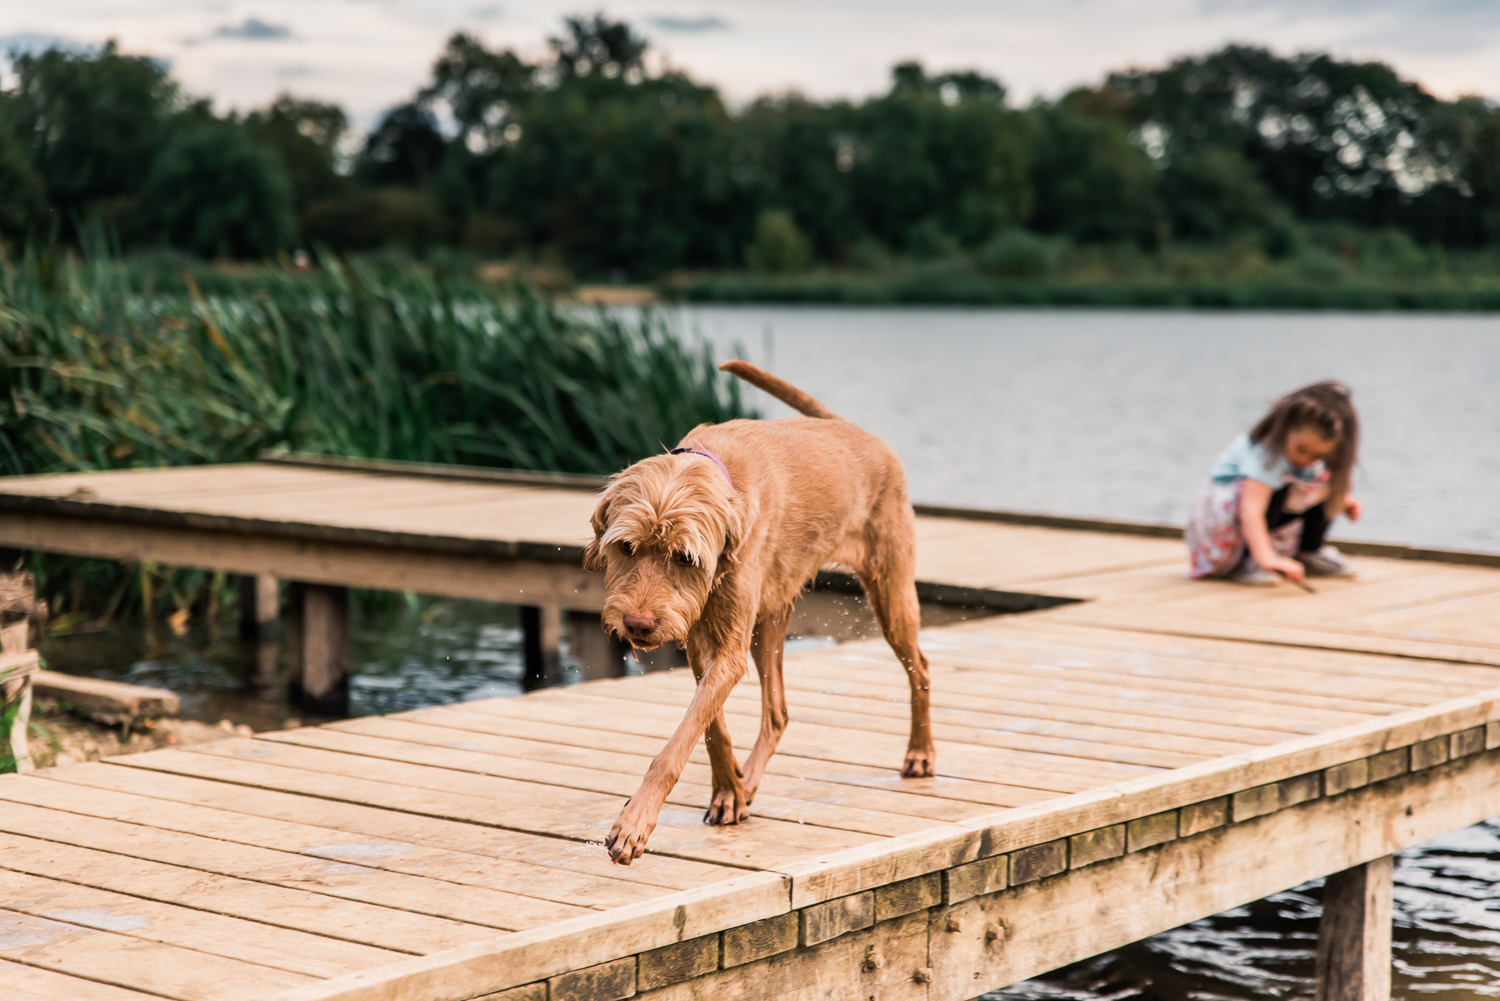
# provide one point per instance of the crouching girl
(1273, 493)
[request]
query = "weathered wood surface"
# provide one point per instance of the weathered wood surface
(99, 695)
(1106, 770)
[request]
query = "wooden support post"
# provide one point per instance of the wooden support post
(15, 698)
(320, 649)
(1354, 937)
(18, 666)
(541, 631)
(599, 654)
(260, 607)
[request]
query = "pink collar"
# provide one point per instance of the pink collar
(717, 461)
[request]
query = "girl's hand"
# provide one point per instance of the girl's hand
(1353, 508)
(1287, 567)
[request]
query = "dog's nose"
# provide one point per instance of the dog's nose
(639, 623)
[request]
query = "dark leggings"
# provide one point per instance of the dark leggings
(1314, 520)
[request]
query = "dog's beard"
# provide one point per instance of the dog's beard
(676, 602)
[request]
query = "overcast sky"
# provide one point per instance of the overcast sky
(369, 54)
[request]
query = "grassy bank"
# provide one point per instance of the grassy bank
(1331, 267)
(113, 364)
(857, 290)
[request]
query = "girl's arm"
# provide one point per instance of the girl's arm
(1352, 507)
(1255, 496)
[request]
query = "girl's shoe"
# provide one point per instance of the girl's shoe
(1327, 562)
(1251, 574)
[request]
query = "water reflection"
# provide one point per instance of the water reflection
(1446, 939)
(403, 655)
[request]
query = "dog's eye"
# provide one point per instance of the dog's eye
(683, 559)
(628, 547)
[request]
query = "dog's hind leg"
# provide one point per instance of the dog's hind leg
(888, 574)
(767, 646)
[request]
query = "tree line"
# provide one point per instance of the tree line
(589, 160)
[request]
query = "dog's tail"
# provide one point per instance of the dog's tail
(779, 388)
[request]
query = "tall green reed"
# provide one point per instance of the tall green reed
(103, 367)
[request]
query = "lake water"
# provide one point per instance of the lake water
(1119, 414)
(1098, 413)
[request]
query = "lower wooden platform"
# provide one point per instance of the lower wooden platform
(1107, 770)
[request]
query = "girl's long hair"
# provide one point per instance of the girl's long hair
(1328, 409)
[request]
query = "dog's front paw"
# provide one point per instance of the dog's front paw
(920, 763)
(627, 839)
(729, 806)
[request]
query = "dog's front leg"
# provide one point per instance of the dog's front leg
(731, 801)
(627, 839)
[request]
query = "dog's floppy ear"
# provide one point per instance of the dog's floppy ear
(593, 553)
(734, 529)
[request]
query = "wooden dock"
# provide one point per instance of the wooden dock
(1154, 752)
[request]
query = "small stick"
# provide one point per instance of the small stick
(1300, 583)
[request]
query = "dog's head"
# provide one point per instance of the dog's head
(665, 532)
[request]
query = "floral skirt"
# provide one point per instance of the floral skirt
(1215, 542)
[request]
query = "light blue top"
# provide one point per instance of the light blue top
(1245, 460)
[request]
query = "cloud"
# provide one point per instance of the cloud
(255, 30)
(295, 71)
(487, 13)
(691, 24)
(1431, 26)
(31, 43)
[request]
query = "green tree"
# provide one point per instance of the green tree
(93, 123)
(940, 154)
(1092, 182)
(23, 200)
(779, 246)
(405, 149)
(216, 192)
(305, 136)
(1331, 139)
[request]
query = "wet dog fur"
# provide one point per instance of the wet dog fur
(688, 558)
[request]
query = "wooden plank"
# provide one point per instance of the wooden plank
(99, 695)
(437, 769)
(386, 567)
(1270, 668)
(135, 963)
(1079, 758)
(1052, 694)
(436, 898)
(558, 860)
(1057, 636)
(846, 808)
(577, 944)
(582, 817)
(198, 807)
(1273, 667)
(1274, 635)
(297, 909)
(854, 699)
(1030, 682)
(200, 931)
(629, 754)
(1080, 744)
(823, 747)
(29, 983)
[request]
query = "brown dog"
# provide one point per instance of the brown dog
(709, 546)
